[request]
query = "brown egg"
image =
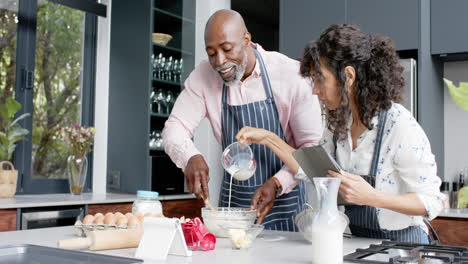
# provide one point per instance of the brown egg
(133, 222)
(98, 220)
(118, 215)
(98, 214)
(121, 222)
(140, 217)
(109, 213)
(88, 219)
(109, 219)
(129, 215)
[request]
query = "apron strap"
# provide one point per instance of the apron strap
(377, 145)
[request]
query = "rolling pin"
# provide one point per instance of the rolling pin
(104, 240)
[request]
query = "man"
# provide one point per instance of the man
(243, 85)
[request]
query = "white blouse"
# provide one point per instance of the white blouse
(406, 164)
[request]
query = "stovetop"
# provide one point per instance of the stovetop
(400, 252)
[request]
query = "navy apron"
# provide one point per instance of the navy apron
(363, 221)
(260, 114)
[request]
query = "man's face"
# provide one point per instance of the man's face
(227, 54)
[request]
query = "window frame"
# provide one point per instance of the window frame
(25, 65)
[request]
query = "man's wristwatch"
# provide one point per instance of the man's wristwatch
(279, 188)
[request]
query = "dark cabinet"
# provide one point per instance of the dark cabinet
(449, 26)
(303, 20)
(397, 19)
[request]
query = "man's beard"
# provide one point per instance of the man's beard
(239, 71)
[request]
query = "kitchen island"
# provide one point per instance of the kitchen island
(269, 247)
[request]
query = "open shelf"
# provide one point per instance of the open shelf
(167, 13)
(173, 49)
(160, 115)
(178, 84)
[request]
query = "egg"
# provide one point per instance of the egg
(109, 219)
(98, 214)
(121, 222)
(87, 220)
(140, 217)
(109, 213)
(133, 222)
(128, 215)
(98, 219)
(118, 215)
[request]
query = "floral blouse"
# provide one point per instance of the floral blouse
(406, 164)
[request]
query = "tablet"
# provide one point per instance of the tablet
(316, 162)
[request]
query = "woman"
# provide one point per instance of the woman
(389, 170)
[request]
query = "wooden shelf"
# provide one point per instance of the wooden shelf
(167, 13)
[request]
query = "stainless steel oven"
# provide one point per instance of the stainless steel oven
(42, 217)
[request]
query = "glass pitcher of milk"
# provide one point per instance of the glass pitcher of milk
(238, 160)
(328, 225)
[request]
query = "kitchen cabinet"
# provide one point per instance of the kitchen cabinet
(146, 75)
(190, 208)
(177, 208)
(449, 26)
(397, 19)
(452, 231)
(303, 20)
(7, 220)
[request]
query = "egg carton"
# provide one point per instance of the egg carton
(83, 229)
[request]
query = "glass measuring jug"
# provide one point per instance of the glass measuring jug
(238, 160)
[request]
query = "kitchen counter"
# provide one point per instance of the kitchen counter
(456, 213)
(270, 247)
(41, 200)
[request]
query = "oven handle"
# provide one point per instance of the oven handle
(56, 214)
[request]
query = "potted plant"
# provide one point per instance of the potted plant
(10, 133)
(79, 140)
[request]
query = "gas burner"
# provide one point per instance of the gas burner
(400, 252)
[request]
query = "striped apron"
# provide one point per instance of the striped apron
(260, 114)
(363, 221)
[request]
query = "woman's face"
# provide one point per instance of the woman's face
(326, 87)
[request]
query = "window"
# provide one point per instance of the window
(54, 70)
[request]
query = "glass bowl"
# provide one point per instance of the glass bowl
(238, 160)
(243, 237)
(217, 222)
(305, 219)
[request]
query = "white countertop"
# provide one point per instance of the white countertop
(459, 213)
(270, 247)
(58, 199)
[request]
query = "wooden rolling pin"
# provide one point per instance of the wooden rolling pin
(104, 240)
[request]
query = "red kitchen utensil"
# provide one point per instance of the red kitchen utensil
(195, 233)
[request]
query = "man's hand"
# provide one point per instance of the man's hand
(263, 199)
(197, 176)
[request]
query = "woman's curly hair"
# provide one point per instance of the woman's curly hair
(379, 80)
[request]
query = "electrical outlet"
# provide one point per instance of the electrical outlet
(113, 179)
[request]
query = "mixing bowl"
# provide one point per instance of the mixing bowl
(243, 237)
(224, 217)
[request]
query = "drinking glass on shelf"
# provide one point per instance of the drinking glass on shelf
(153, 105)
(169, 102)
(160, 101)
